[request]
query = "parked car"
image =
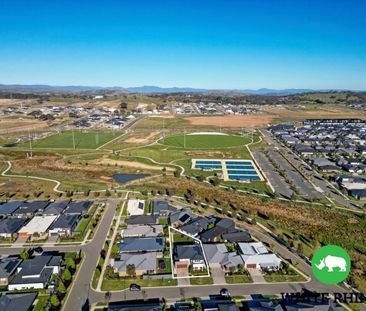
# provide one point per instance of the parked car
(135, 287)
(224, 292)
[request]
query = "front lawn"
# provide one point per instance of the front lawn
(202, 281)
(238, 278)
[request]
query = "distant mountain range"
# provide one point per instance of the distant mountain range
(40, 88)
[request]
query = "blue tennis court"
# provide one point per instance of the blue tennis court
(239, 167)
(245, 177)
(242, 172)
(238, 162)
(208, 165)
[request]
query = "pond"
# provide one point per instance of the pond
(125, 178)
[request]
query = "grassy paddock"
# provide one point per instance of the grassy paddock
(205, 141)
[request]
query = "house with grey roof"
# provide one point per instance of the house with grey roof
(30, 208)
(142, 220)
(181, 217)
(189, 256)
(64, 225)
(17, 302)
(218, 255)
(256, 255)
(140, 245)
(8, 267)
(144, 263)
(237, 236)
(214, 234)
(196, 226)
(9, 227)
(8, 208)
(78, 207)
(162, 207)
(35, 272)
(143, 231)
(56, 208)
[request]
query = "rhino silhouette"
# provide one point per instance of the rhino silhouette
(332, 262)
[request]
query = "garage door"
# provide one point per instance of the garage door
(251, 265)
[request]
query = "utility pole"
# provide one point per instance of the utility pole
(30, 143)
(184, 139)
(73, 139)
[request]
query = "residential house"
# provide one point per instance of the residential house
(181, 217)
(135, 207)
(10, 226)
(55, 208)
(17, 302)
(144, 263)
(237, 236)
(8, 267)
(8, 208)
(189, 256)
(143, 231)
(142, 220)
(162, 208)
(218, 255)
(78, 207)
(35, 272)
(196, 226)
(30, 208)
(64, 225)
(140, 245)
(256, 255)
(221, 227)
(37, 227)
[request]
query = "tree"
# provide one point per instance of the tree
(115, 249)
(131, 270)
(71, 264)
(55, 302)
(61, 287)
(24, 254)
(66, 276)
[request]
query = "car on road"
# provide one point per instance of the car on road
(135, 287)
(224, 292)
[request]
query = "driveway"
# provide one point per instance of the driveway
(256, 275)
(217, 274)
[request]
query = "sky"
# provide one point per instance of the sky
(228, 44)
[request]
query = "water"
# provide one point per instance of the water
(125, 178)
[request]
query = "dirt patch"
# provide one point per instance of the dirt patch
(247, 121)
(20, 124)
(142, 140)
(132, 164)
(163, 116)
(210, 154)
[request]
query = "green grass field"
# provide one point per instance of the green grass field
(204, 141)
(83, 140)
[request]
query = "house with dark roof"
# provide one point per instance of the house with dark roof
(142, 220)
(162, 208)
(144, 263)
(8, 208)
(8, 267)
(196, 226)
(214, 234)
(181, 217)
(35, 272)
(140, 245)
(78, 207)
(188, 256)
(17, 302)
(30, 208)
(9, 227)
(56, 208)
(237, 236)
(64, 225)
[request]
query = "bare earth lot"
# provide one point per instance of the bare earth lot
(20, 124)
(246, 121)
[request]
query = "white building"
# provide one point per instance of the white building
(256, 255)
(135, 207)
(39, 224)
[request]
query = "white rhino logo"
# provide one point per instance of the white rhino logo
(332, 262)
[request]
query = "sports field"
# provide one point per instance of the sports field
(82, 139)
(205, 141)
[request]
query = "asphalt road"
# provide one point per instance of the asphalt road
(328, 189)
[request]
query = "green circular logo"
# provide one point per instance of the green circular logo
(331, 264)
